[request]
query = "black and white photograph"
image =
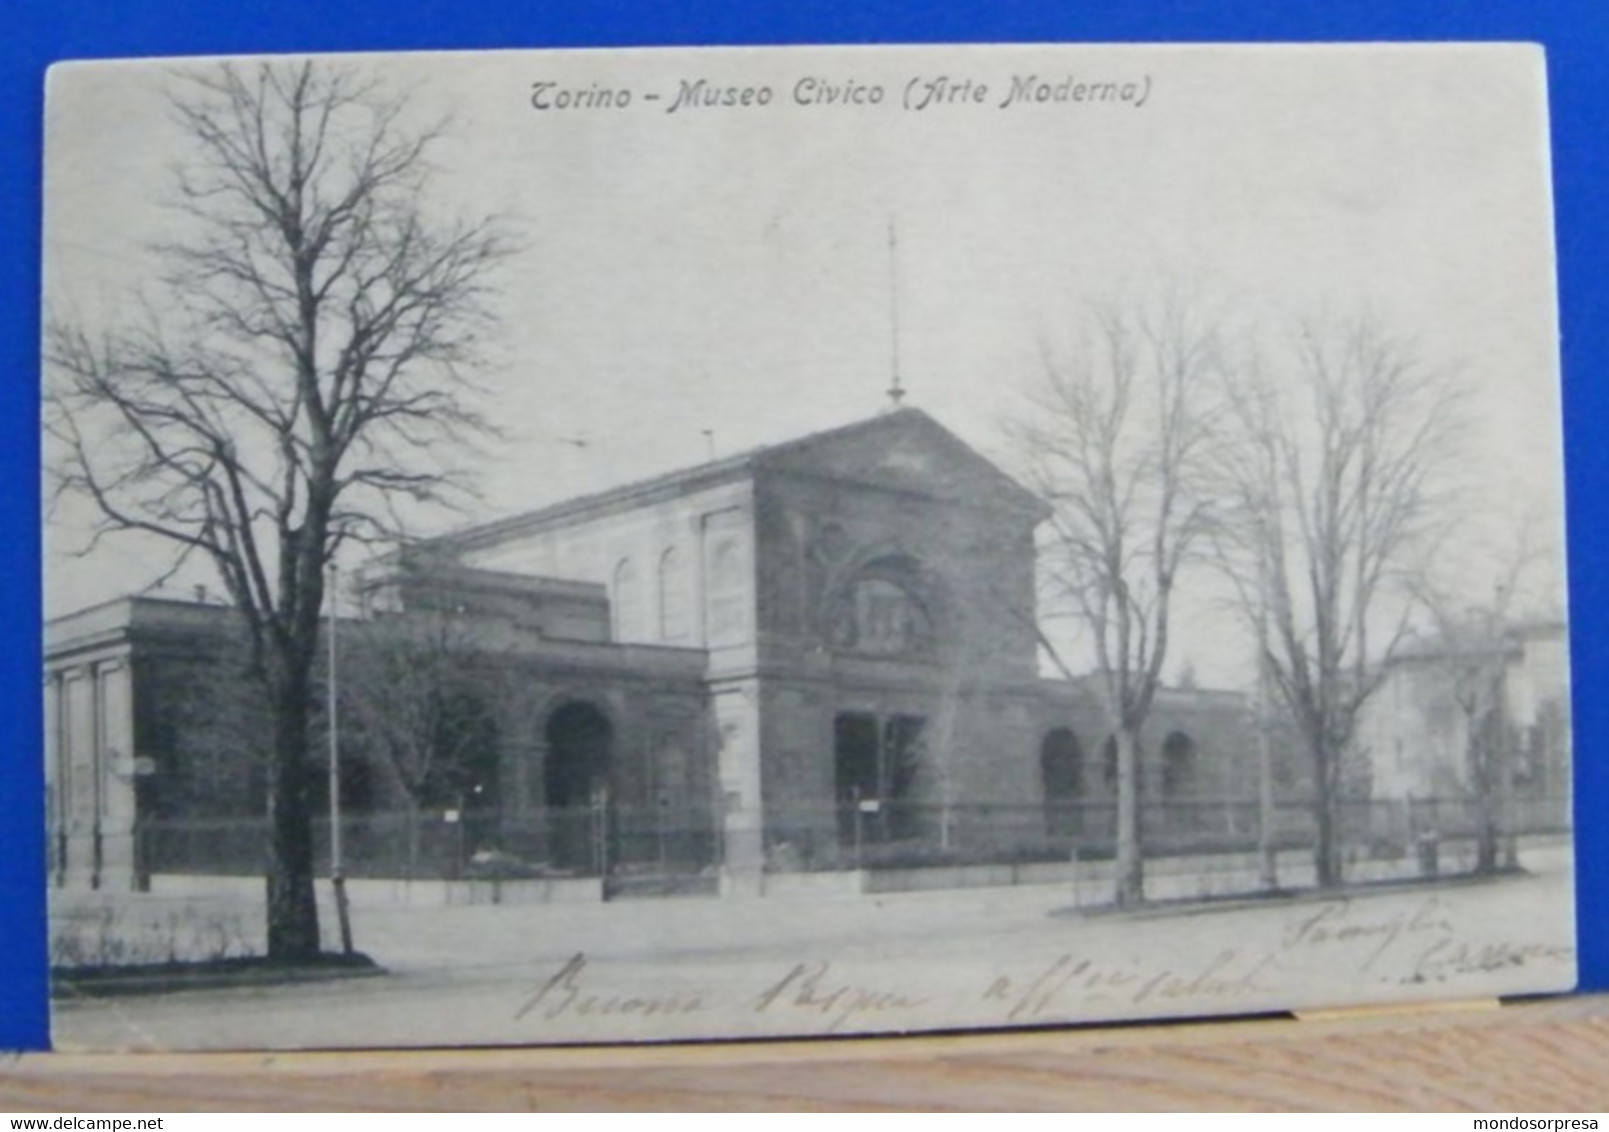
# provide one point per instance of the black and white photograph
(663, 544)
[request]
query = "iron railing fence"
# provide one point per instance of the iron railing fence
(626, 842)
(446, 845)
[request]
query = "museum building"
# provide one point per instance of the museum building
(788, 658)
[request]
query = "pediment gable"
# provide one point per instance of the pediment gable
(905, 450)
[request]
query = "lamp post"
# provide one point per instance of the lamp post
(1267, 845)
(337, 878)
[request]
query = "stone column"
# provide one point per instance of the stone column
(737, 760)
(119, 773)
(79, 809)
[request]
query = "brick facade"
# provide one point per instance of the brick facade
(828, 639)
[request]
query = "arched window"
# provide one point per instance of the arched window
(727, 595)
(880, 613)
(627, 595)
(672, 596)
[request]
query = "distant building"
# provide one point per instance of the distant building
(1511, 680)
(785, 657)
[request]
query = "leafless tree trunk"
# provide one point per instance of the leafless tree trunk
(1116, 443)
(1335, 493)
(294, 379)
(419, 696)
(1473, 647)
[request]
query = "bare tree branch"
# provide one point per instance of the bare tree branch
(1115, 441)
(1334, 492)
(310, 355)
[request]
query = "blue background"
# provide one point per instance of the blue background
(1576, 35)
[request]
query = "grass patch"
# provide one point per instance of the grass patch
(107, 935)
(241, 971)
(100, 948)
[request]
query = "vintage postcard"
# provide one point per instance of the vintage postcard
(553, 547)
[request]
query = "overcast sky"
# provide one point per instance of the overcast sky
(727, 268)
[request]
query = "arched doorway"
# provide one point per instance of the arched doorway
(575, 779)
(1061, 771)
(1183, 815)
(1178, 764)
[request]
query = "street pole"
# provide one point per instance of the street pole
(1268, 870)
(337, 879)
(1507, 840)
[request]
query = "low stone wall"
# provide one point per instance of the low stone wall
(813, 886)
(1198, 877)
(370, 893)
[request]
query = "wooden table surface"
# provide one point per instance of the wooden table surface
(1538, 1056)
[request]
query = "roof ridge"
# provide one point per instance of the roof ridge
(715, 470)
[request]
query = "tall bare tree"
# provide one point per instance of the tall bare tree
(308, 350)
(1116, 443)
(1336, 490)
(422, 701)
(1471, 650)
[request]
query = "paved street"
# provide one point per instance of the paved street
(1022, 956)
